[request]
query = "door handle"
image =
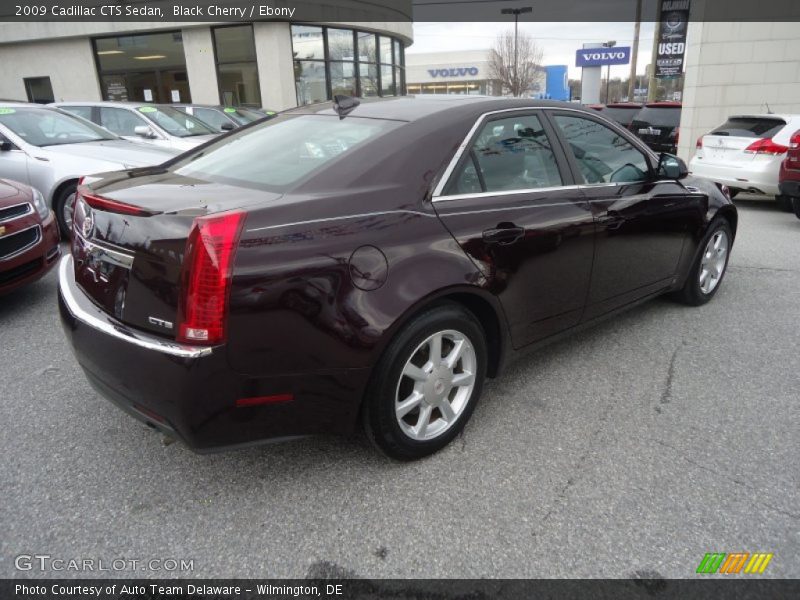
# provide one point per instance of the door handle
(504, 233)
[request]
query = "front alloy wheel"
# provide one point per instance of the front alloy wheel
(427, 383)
(710, 265)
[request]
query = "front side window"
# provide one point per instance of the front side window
(46, 127)
(82, 111)
(121, 121)
(602, 154)
(288, 149)
(509, 154)
(211, 117)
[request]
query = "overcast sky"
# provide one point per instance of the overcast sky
(559, 41)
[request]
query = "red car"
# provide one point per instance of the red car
(28, 236)
(789, 177)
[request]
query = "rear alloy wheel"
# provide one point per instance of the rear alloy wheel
(427, 384)
(710, 266)
(65, 208)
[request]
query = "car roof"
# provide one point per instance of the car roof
(106, 103)
(663, 104)
(18, 104)
(624, 105)
(413, 108)
(785, 117)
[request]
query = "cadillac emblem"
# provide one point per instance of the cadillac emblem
(87, 227)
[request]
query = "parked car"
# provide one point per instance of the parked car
(745, 153)
(223, 118)
(658, 125)
(157, 124)
(621, 112)
(51, 150)
(789, 177)
(374, 266)
(28, 236)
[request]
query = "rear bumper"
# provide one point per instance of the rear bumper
(790, 188)
(33, 263)
(191, 392)
(758, 175)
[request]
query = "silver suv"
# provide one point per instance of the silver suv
(158, 124)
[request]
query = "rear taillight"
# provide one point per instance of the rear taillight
(206, 278)
(113, 206)
(699, 144)
(765, 146)
(794, 147)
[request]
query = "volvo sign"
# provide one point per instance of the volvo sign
(600, 57)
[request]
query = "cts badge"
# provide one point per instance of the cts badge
(160, 322)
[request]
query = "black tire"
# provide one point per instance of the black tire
(60, 203)
(796, 206)
(691, 293)
(784, 203)
(379, 419)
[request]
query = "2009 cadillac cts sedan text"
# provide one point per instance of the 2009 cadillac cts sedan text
(371, 264)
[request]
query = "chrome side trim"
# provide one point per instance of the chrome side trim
(436, 196)
(556, 188)
(28, 211)
(359, 216)
(67, 287)
(24, 248)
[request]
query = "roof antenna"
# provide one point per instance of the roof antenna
(344, 105)
(769, 110)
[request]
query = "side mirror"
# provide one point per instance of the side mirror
(144, 131)
(227, 127)
(6, 146)
(671, 167)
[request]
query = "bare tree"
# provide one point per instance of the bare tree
(528, 54)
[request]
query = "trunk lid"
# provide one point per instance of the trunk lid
(130, 264)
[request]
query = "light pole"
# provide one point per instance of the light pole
(608, 44)
(516, 12)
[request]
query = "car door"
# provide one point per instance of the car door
(511, 203)
(642, 222)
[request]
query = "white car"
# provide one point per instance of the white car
(158, 124)
(50, 150)
(745, 153)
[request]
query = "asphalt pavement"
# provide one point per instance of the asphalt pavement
(630, 449)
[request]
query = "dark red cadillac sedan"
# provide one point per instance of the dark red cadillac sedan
(371, 264)
(28, 236)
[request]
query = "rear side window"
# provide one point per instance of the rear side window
(658, 116)
(278, 153)
(602, 154)
(509, 154)
(751, 127)
(211, 117)
(81, 111)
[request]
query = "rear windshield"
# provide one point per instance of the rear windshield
(750, 127)
(620, 114)
(279, 152)
(661, 116)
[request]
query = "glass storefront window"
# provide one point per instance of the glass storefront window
(366, 47)
(343, 78)
(340, 44)
(369, 79)
(237, 69)
(310, 81)
(332, 61)
(307, 43)
(387, 82)
(148, 67)
(386, 50)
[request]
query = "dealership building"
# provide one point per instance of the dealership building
(274, 64)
